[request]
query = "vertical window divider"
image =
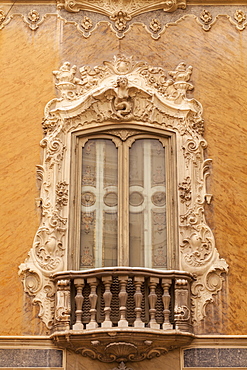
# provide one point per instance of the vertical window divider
(123, 209)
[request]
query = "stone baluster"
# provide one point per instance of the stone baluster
(152, 298)
(107, 281)
(93, 297)
(79, 284)
(138, 280)
(63, 308)
(123, 295)
(182, 316)
(166, 298)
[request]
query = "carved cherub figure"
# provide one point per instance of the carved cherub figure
(122, 101)
(66, 74)
(122, 97)
(181, 73)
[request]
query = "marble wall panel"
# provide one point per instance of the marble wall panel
(20, 358)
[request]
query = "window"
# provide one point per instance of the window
(124, 200)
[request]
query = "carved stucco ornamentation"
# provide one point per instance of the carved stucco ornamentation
(2, 16)
(112, 8)
(155, 25)
(122, 366)
(206, 18)
(123, 92)
(86, 23)
(137, 350)
(121, 17)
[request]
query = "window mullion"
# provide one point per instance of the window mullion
(123, 209)
(100, 155)
(147, 211)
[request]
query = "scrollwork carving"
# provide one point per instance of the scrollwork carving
(123, 351)
(117, 94)
(132, 9)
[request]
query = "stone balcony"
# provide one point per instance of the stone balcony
(122, 313)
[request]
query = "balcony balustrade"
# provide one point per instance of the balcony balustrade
(122, 313)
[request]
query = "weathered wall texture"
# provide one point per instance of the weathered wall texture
(219, 62)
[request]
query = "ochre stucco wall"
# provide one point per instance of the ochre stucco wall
(219, 62)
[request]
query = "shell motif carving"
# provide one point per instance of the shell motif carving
(118, 92)
(122, 351)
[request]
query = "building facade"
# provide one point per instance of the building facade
(123, 184)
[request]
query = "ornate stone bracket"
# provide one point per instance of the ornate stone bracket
(117, 93)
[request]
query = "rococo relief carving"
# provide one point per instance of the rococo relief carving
(112, 8)
(123, 92)
(121, 17)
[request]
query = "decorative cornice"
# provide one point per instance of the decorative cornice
(121, 23)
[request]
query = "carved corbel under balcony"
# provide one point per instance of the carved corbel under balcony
(117, 337)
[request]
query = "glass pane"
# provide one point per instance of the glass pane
(99, 204)
(148, 234)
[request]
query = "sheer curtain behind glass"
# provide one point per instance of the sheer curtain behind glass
(147, 186)
(99, 204)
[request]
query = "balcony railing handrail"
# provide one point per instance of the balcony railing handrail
(119, 270)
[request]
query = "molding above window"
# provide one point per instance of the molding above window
(154, 100)
(122, 9)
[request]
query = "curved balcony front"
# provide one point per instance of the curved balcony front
(122, 313)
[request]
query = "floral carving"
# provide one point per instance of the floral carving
(33, 20)
(120, 18)
(185, 190)
(62, 194)
(120, 13)
(2, 16)
(86, 23)
(155, 25)
(239, 16)
(206, 16)
(33, 16)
